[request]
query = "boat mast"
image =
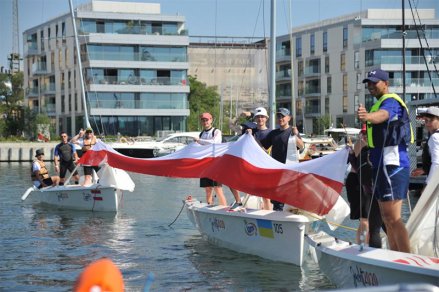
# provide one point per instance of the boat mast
(293, 102)
(272, 93)
(78, 54)
(403, 51)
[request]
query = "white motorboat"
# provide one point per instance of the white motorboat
(278, 236)
(104, 196)
(148, 149)
(318, 146)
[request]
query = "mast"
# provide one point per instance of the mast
(403, 51)
(78, 53)
(293, 103)
(272, 93)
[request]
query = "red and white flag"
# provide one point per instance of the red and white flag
(313, 185)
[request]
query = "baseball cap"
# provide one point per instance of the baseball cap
(260, 111)
(100, 275)
(206, 116)
(431, 111)
(89, 130)
(376, 75)
(283, 111)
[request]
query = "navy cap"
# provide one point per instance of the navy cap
(376, 75)
(283, 111)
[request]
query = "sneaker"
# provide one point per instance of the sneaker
(235, 206)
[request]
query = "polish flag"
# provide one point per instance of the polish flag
(314, 185)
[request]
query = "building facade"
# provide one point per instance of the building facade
(332, 57)
(134, 62)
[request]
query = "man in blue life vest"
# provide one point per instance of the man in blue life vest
(388, 133)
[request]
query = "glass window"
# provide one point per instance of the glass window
(342, 62)
(345, 37)
(299, 47)
(356, 60)
(312, 45)
(329, 84)
(327, 64)
(345, 103)
(325, 41)
(345, 82)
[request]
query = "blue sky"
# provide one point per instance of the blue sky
(242, 18)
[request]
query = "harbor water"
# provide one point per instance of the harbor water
(45, 249)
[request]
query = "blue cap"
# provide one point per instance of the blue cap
(283, 111)
(376, 75)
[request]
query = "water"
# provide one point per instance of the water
(45, 249)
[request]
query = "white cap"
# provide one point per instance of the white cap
(260, 111)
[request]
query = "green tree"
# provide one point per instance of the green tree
(11, 104)
(202, 98)
(321, 124)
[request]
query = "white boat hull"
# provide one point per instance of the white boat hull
(76, 197)
(349, 267)
(278, 236)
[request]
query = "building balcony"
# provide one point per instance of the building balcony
(48, 88)
(32, 91)
(39, 68)
(138, 104)
(135, 80)
(49, 109)
(311, 72)
(409, 60)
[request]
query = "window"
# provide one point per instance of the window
(345, 83)
(299, 47)
(345, 37)
(345, 103)
(342, 62)
(325, 41)
(300, 68)
(359, 81)
(329, 84)
(357, 60)
(312, 44)
(327, 105)
(327, 64)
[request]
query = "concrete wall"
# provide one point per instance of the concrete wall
(23, 152)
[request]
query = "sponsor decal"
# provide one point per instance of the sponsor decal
(96, 191)
(87, 196)
(265, 228)
(62, 196)
(217, 224)
(363, 277)
(98, 198)
(250, 228)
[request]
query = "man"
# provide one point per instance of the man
(431, 152)
(87, 143)
(278, 141)
(39, 174)
(65, 159)
(210, 135)
(388, 133)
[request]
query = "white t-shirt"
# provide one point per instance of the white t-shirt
(36, 167)
(433, 148)
(211, 137)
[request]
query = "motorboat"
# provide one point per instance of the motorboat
(147, 149)
(317, 146)
(104, 195)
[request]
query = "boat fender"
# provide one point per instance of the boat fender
(28, 191)
(123, 140)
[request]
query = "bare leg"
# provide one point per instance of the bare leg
(220, 194)
(209, 198)
(236, 195)
(396, 232)
(267, 204)
(87, 180)
(362, 228)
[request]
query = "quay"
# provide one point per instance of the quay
(25, 151)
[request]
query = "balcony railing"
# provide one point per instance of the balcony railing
(145, 56)
(134, 80)
(392, 60)
(138, 104)
(414, 82)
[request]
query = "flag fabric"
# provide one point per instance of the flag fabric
(314, 185)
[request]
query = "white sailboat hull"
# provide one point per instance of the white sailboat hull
(348, 267)
(76, 197)
(278, 236)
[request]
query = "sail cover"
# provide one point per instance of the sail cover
(314, 185)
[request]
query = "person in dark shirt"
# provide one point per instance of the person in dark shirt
(278, 141)
(65, 159)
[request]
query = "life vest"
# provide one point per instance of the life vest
(390, 133)
(43, 173)
(86, 146)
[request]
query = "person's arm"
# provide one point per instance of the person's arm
(299, 142)
(377, 117)
(36, 170)
(56, 159)
(77, 137)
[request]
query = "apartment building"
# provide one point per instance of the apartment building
(332, 57)
(134, 63)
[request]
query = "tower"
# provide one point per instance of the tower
(14, 57)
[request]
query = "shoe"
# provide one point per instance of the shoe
(235, 206)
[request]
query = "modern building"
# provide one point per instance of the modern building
(134, 63)
(332, 57)
(236, 66)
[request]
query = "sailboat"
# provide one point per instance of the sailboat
(103, 195)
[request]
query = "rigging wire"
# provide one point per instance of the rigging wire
(420, 28)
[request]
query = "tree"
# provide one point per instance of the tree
(11, 104)
(202, 98)
(321, 124)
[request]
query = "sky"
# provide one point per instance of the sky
(239, 18)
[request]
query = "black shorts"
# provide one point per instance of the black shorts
(47, 182)
(359, 203)
(64, 166)
(88, 170)
(207, 182)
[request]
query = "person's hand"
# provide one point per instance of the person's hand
(295, 131)
(362, 113)
(196, 140)
(249, 131)
(417, 172)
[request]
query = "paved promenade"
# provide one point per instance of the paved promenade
(25, 152)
